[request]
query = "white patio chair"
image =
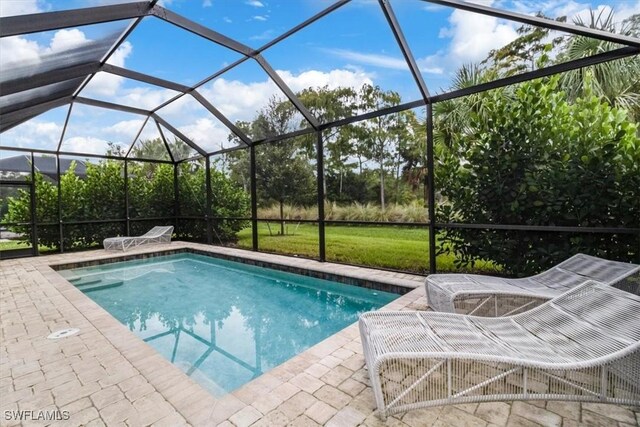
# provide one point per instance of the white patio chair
(158, 234)
(581, 346)
(494, 296)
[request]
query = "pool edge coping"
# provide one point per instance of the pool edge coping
(172, 383)
(398, 286)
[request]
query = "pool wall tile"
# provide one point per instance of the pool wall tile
(304, 271)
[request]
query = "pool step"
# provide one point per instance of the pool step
(86, 287)
(88, 282)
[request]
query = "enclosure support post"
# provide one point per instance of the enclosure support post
(34, 227)
(254, 197)
(176, 199)
(207, 215)
(432, 191)
(60, 227)
(126, 198)
(320, 182)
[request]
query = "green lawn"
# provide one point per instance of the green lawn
(21, 244)
(399, 248)
(392, 247)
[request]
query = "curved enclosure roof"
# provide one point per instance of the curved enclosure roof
(104, 80)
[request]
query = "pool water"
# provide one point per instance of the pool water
(222, 322)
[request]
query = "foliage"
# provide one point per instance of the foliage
(364, 162)
(535, 159)
(228, 201)
(100, 196)
(151, 190)
(615, 82)
(523, 53)
(408, 212)
(284, 170)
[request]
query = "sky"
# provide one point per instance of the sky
(351, 46)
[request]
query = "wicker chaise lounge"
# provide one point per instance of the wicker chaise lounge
(494, 296)
(160, 234)
(581, 346)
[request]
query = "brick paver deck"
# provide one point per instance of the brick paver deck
(105, 375)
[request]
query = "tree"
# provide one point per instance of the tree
(284, 175)
(615, 82)
(329, 105)
(378, 137)
(412, 151)
(522, 54)
(284, 171)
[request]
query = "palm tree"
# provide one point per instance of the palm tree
(451, 117)
(617, 82)
(150, 149)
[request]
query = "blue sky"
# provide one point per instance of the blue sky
(350, 47)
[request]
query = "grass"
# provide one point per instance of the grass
(409, 212)
(388, 246)
(22, 244)
(392, 247)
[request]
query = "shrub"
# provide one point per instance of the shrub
(100, 196)
(535, 159)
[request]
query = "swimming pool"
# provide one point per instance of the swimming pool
(223, 322)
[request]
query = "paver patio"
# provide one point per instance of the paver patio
(105, 375)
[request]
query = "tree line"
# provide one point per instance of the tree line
(561, 150)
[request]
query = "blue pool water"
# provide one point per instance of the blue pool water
(223, 323)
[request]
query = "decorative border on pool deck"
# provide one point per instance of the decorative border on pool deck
(106, 374)
(188, 402)
(365, 282)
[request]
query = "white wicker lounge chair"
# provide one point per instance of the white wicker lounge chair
(161, 234)
(582, 346)
(494, 296)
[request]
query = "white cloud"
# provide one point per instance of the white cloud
(254, 3)
(227, 20)
(20, 51)
(626, 10)
(19, 7)
(66, 39)
(207, 134)
(239, 100)
(109, 87)
(150, 131)
(207, 3)
(581, 11)
(475, 35)
(573, 9)
(33, 134)
(85, 144)
(260, 18)
(126, 128)
(105, 84)
(472, 37)
(265, 35)
(378, 60)
(242, 100)
(332, 79)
